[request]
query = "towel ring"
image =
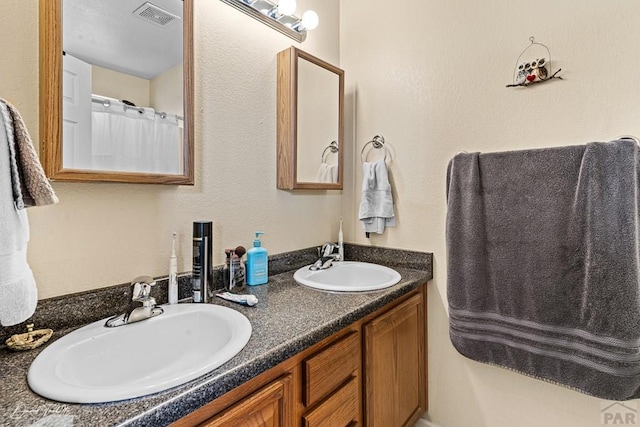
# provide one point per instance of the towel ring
(333, 147)
(377, 142)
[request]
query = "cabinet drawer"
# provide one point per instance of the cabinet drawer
(340, 410)
(325, 371)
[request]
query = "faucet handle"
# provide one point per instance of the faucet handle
(327, 249)
(142, 288)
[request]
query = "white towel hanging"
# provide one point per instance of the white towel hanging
(376, 206)
(18, 293)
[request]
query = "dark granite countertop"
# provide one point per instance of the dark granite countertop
(288, 319)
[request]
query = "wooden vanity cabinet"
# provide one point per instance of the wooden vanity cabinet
(268, 407)
(372, 373)
(395, 377)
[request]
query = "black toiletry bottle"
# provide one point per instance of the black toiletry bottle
(202, 279)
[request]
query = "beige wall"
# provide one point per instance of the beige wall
(165, 91)
(102, 234)
(115, 84)
(430, 76)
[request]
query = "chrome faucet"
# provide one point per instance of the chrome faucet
(141, 289)
(327, 255)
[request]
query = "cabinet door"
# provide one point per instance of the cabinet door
(271, 406)
(395, 365)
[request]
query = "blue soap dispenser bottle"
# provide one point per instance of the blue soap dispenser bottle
(257, 263)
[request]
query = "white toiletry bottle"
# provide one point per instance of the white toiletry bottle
(173, 274)
(257, 263)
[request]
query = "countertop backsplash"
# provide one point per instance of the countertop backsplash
(73, 310)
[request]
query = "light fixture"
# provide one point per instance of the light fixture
(309, 20)
(287, 7)
(279, 15)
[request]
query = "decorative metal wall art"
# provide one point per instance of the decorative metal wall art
(533, 66)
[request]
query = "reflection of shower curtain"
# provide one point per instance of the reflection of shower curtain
(167, 147)
(134, 139)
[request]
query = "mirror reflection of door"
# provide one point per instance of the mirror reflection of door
(76, 107)
(318, 123)
(123, 85)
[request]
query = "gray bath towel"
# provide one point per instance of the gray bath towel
(543, 264)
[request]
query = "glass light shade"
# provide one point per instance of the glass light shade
(310, 20)
(287, 7)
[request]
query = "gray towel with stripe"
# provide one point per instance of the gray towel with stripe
(543, 264)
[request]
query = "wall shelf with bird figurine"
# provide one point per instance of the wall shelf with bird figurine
(533, 66)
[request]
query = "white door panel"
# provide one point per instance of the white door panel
(76, 113)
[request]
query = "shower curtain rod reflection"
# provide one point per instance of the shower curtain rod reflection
(107, 103)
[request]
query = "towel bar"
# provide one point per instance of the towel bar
(629, 137)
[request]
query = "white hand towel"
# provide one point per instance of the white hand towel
(327, 173)
(18, 293)
(376, 206)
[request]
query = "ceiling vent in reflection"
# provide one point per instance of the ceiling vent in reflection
(154, 14)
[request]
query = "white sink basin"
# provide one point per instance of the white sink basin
(348, 276)
(96, 364)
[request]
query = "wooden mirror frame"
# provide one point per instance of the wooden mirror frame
(50, 16)
(287, 126)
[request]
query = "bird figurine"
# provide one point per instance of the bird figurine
(540, 69)
(521, 77)
(529, 72)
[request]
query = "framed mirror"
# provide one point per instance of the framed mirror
(116, 90)
(310, 122)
